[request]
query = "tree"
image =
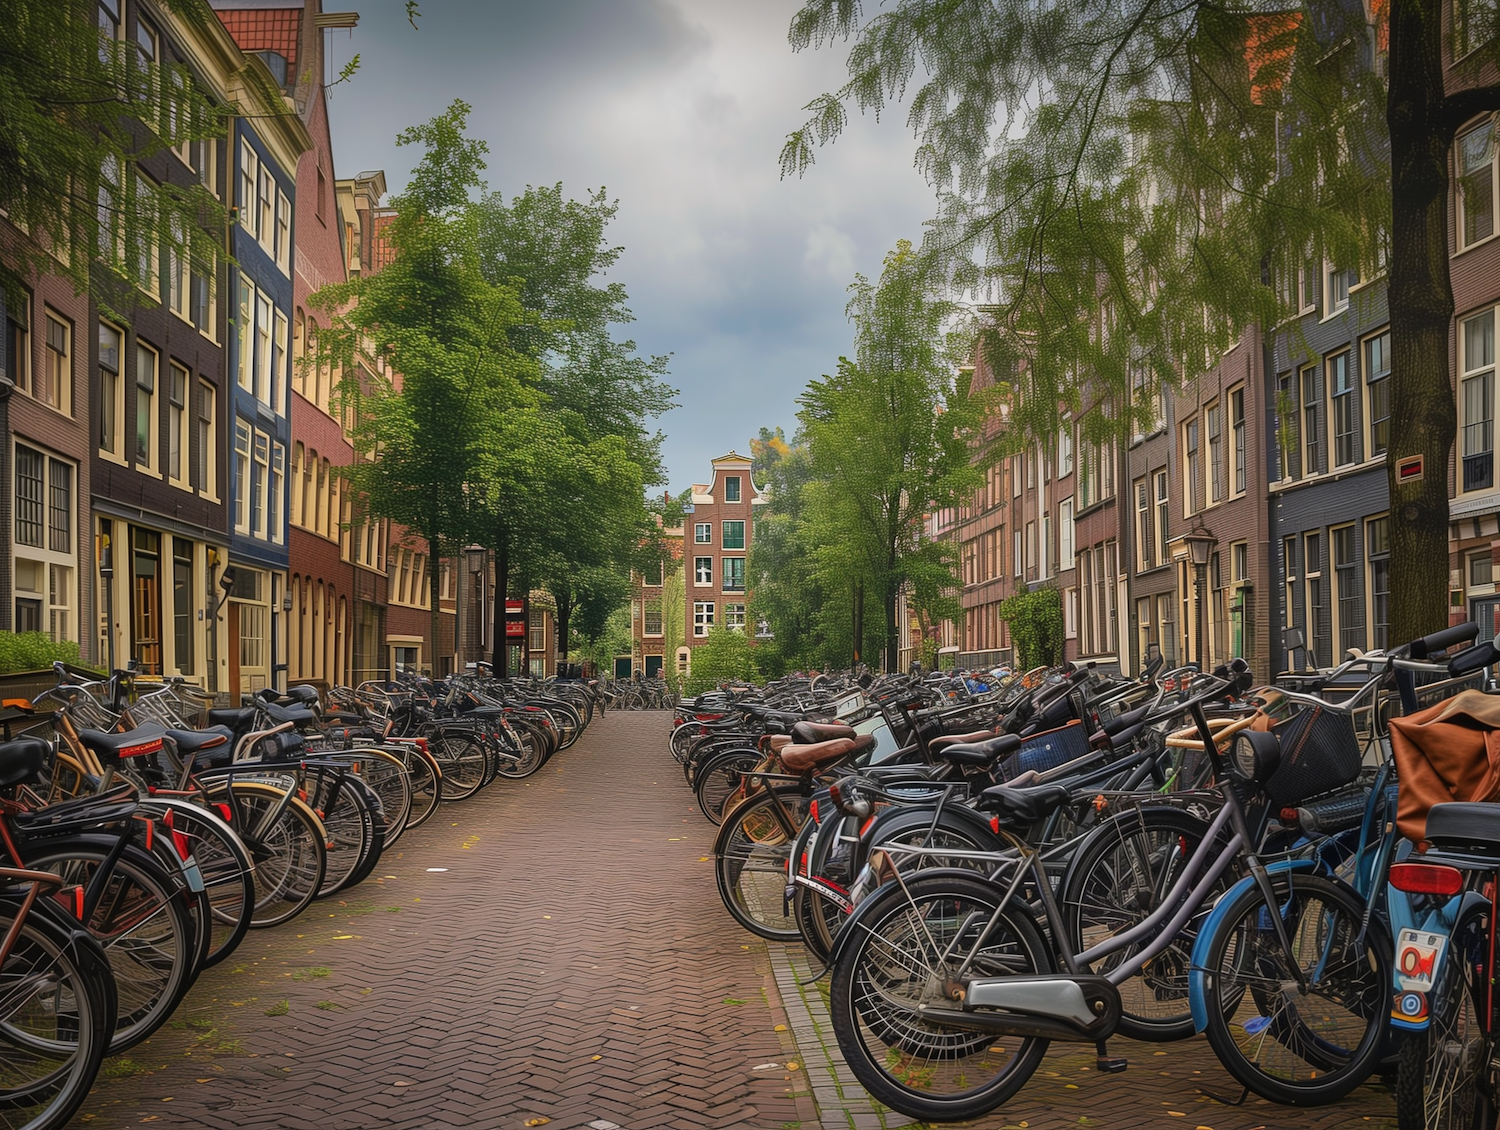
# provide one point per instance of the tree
(888, 439)
(725, 656)
(456, 386)
(1130, 181)
(783, 587)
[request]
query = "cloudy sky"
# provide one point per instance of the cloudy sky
(679, 108)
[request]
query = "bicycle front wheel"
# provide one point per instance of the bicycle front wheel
(1295, 1045)
(904, 956)
(750, 860)
(1442, 1077)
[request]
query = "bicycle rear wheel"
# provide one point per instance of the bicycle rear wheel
(751, 853)
(227, 869)
(1289, 1045)
(286, 840)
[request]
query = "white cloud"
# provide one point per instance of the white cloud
(830, 252)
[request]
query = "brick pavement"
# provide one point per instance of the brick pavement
(574, 964)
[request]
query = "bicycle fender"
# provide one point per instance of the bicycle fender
(1197, 971)
(1409, 1006)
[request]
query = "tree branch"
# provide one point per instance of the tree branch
(1462, 105)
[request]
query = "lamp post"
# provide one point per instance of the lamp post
(107, 575)
(476, 557)
(1200, 544)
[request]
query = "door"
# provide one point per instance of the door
(622, 666)
(234, 652)
(653, 666)
(145, 602)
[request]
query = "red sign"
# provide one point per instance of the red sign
(1409, 470)
(515, 628)
(514, 607)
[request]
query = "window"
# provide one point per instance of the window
(182, 605)
(31, 488)
(146, 362)
(249, 168)
(1289, 579)
(651, 620)
(241, 477)
(244, 365)
(1378, 570)
(278, 365)
(1162, 511)
(1143, 540)
(1476, 345)
(177, 271)
(734, 574)
(18, 339)
(263, 348)
(1311, 395)
(205, 455)
(141, 234)
(1308, 282)
(1346, 590)
(59, 365)
(703, 570)
(1015, 552)
(1030, 551)
(1065, 449)
(538, 638)
(731, 488)
(176, 424)
(734, 617)
(107, 203)
(1065, 534)
(1474, 25)
(1319, 640)
(1218, 478)
(1476, 184)
(734, 535)
(1192, 468)
(1045, 551)
(703, 617)
(1288, 445)
(277, 492)
(1338, 280)
(1341, 396)
(1377, 370)
(1237, 450)
(111, 392)
(43, 517)
(703, 533)
(283, 232)
(109, 21)
(201, 305)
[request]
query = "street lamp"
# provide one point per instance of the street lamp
(476, 558)
(1200, 544)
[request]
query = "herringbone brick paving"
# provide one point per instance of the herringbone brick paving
(574, 964)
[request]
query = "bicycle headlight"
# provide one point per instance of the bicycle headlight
(1254, 755)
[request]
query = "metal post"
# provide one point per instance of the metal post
(1199, 611)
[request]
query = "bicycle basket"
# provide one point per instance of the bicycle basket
(1047, 751)
(1319, 753)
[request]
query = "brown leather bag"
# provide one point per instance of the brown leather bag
(1449, 751)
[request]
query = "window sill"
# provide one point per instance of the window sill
(1335, 313)
(1369, 282)
(1466, 248)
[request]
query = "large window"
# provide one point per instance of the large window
(651, 618)
(1144, 543)
(1237, 450)
(1288, 443)
(1476, 183)
(1347, 589)
(1476, 343)
(146, 364)
(205, 447)
(111, 392)
(59, 364)
(734, 535)
(1192, 464)
(1065, 550)
(703, 533)
(734, 574)
(1163, 507)
(1474, 25)
(1218, 471)
(43, 530)
(1377, 373)
(703, 617)
(1341, 396)
(177, 392)
(734, 617)
(703, 570)
(241, 477)
(1311, 402)
(731, 488)
(1378, 571)
(1318, 635)
(17, 358)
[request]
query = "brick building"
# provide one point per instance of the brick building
(717, 534)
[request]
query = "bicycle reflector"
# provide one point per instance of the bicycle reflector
(1426, 878)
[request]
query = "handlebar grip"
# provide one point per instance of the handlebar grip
(1443, 640)
(1474, 659)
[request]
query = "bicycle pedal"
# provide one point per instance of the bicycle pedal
(1111, 1065)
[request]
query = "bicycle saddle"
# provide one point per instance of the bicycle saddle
(943, 741)
(21, 760)
(1023, 806)
(298, 716)
(1471, 828)
(132, 743)
(983, 753)
(234, 717)
(813, 733)
(800, 758)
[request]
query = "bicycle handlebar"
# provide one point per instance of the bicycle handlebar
(1442, 640)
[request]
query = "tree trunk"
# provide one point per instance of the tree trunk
(859, 619)
(892, 642)
(564, 601)
(500, 661)
(434, 589)
(1424, 415)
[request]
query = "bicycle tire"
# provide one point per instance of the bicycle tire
(53, 1040)
(426, 783)
(1440, 1074)
(356, 831)
(227, 869)
(888, 969)
(286, 840)
(750, 857)
(1319, 1047)
(461, 757)
(528, 749)
(718, 781)
(1115, 879)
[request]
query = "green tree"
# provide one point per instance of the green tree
(888, 439)
(1036, 625)
(81, 109)
(1132, 184)
(725, 656)
(456, 388)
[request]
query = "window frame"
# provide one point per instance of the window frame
(177, 415)
(703, 572)
(1471, 469)
(703, 618)
(1372, 378)
(1462, 242)
(146, 408)
(703, 533)
(732, 481)
(725, 571)
(738, 541)
(1239, 451)
(1342, 360)
(205, 442)
(1309, 407)
(60, 382)
(1377, 554)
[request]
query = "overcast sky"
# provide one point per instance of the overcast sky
(679, 108)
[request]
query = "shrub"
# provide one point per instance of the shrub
(33, 651)
(723, 657)
(1036, 626)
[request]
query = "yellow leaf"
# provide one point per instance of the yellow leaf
(537, 1121)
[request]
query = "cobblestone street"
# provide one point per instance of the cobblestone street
(572, 965)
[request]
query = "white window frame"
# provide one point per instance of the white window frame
(703, 617)
(147, 413)
(44, 558)
(1476, 379)
(1335, 462)
(1367, 399)
(724, 573)
(283, 233)
(1461, 169)
(249, 170)
(703, 533)
(734, 616)
(703, 572)
(1066, 552)
(178, 436)
(240, 476)
(205, 427)
(59, 396)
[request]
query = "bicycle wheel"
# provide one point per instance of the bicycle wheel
(56, 1020)
(1442, 1076)
(906, 950)
(1289, 1045)
(384, 774)
(526, 753)
(140, 921)
(750, 860)
(227, 869)
(718, 781)
(426, 782)
(462, 760)
(286, 840)
(1117, 878)
(351, 816)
